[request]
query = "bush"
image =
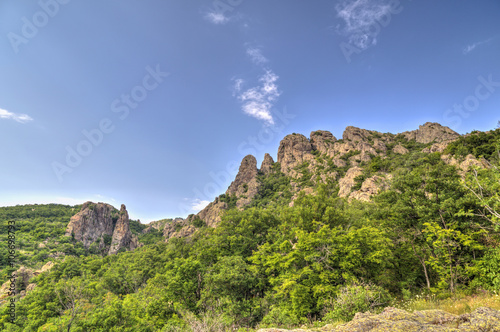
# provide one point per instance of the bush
(280, 317)
(357, 298)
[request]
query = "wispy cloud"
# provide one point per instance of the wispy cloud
(256, 55)
(469, 48)
(22, 118)
(217, 17)
(198, 204)
(258, 101)
(359, 16)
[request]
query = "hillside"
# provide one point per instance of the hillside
(331, 228)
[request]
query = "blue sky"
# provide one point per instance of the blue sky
(154, 103)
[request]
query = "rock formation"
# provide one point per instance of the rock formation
(322, 140)
(431, 132)
(294, 149)
(23, 276)
(355, 134)
(347, 182)
(95, 223)
(212, 213)
(319, 156)
(267, 164)
(400, 149)
(122, 237)
(245, 185)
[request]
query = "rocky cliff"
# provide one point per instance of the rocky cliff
(104, 225)
(325, 159)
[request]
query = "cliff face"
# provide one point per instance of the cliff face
(95, 223)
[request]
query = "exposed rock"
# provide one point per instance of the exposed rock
(371, 186)
(355, 134)
(178, 228)
(437, 147)
(294, 150)
(267, 164)
(400, 149)
(211, 214)
(23, 277)
(245, 185)
(392, 319)
(95, 221)
(347, 182)
(322, 140)
(122, 237)
(379, 145)
(466, 164)
(431, 132)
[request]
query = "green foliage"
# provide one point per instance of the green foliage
(230, 200)
(274, 188)
(479, 144)
(136, 227)
(355, 298)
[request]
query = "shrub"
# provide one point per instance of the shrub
(357, 298)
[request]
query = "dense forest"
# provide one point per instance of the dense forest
(434, 230)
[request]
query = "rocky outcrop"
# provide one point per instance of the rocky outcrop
(437, 147)
(212, 213)
(267, 164)
(97, 222)
(322, 140)
(23, 277)
(355, 134)
(465, 165)
(245, 185)
(392, 319)
(347, 182)
(294, 149)
(431, 132)
(122, 236)
(399, 149)
(179, 227)
(371, 186)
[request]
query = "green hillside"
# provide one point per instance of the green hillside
(432, 228)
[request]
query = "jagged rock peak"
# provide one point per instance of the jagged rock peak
(356, 134)
(267, 164)
(248, 170)
(294, 149)
(321, 140)
(95, 222)
(431, 132)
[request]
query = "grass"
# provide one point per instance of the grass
(457, 304)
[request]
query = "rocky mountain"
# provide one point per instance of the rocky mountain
(102, 225)
(325, 159)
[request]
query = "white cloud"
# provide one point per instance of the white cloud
(198, 204)
(217, 17)
(22, 118)
(238, 83)
(258, 101)
(256, 55)
(360, 17)
(469, 48)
